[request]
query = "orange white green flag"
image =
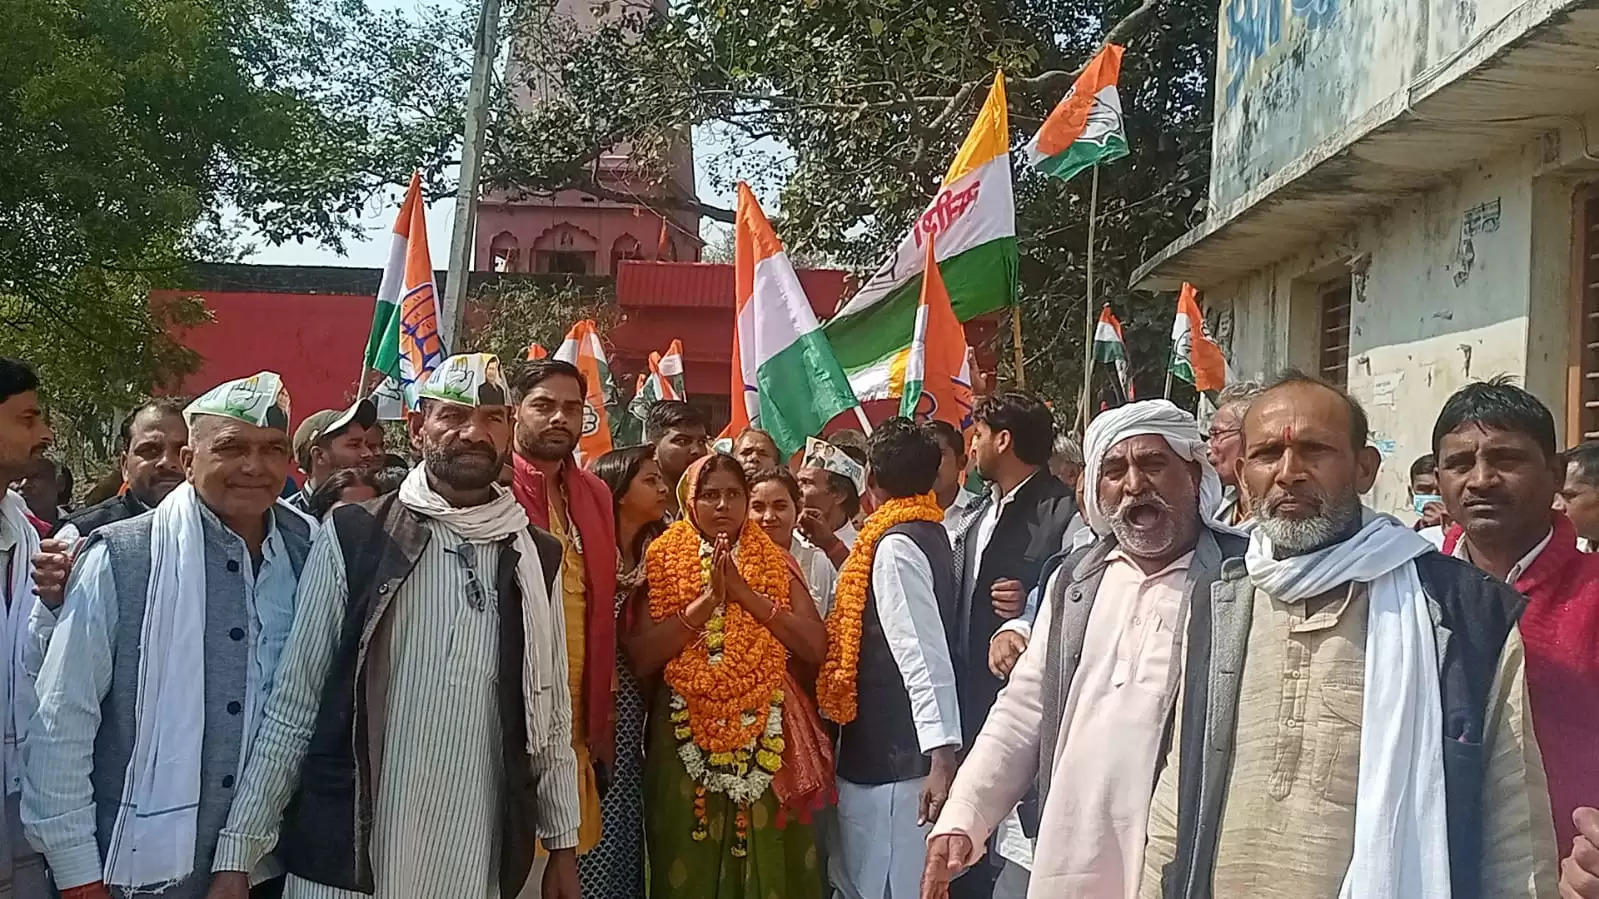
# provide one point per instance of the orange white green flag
(1085, 128)
(1195, 357)
(1111, 348)
(934, 372)
(785, 378)
(404, 345)
(583, 349)
(663, 382)
(973, 215)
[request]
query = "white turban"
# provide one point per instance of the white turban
(1162, 419)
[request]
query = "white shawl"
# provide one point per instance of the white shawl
(152, 843)
(546, 696)
(1401, 846)
(15, 686)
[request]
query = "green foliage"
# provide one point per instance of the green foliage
(854, 109)
(514, 311)
(140, 135)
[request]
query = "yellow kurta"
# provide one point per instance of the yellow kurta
(575, 605)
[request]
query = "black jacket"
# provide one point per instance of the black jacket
(1030, 530)
(117, 508)
(327, 827)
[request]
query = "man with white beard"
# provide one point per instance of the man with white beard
(1104, 671)
(1362, 727)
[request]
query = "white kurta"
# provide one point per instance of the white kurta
(878, 847)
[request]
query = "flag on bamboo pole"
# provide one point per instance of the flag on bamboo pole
(785, 378)
(404, 345)
(973, 215)
(1195, 357)
(582, 348)
(934, 373)
(663, 382)
(663, 244)
(536, 350)
(1085, 128)
(1111, 349)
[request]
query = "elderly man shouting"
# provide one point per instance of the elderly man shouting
(1107, 672)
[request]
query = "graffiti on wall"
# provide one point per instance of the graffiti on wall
(1255, 29)
(1480, 219)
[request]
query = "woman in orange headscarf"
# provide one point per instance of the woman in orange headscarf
(722, 613)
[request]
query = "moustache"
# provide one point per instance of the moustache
(1129, 503)
(1276, 498)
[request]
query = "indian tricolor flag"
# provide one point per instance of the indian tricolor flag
(404, 345)
(973, 215)
(1111, 349)
(583, 349)
(935, 373)
(663, 382)
(1085, 128)
(1195, 357)
(785, 378)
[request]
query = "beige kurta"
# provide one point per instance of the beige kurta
(1288, 822)
(1091, 833)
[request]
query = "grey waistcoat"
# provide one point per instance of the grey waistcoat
(227, 629)
(1070, 604)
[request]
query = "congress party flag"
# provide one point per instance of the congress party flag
(973, 215)
(1195, 357)
(582, 348)
(1085, 128)
(1111, 349)
(785, 378)
(663, 382)
(404, 345)
(935, 373)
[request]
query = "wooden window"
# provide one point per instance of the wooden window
(1332, 362)
(1585, 408)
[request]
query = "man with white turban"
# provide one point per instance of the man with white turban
(1105, 672)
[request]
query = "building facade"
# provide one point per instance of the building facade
(1404, 199)
(575, 232)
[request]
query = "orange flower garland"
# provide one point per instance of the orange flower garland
(727, 701)
(836, 693)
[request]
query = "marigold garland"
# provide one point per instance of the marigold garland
(836, 693)
(727, 700)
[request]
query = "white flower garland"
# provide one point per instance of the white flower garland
(745, 788)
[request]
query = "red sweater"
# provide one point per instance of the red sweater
(1561, 632)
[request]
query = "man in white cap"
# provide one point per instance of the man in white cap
(1104, 672)
(419, 742)
(166, 649)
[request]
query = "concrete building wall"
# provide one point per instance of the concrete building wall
(1293, 74)
(1464, 282)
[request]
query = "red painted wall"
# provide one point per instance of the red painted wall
(315, 341)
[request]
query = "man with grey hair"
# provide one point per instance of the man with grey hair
(1066, 461)
(1361, 728)
(1226, 444)
(1106, 674)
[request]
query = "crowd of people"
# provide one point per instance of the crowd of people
(914, 663)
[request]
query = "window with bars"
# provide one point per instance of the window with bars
(1587, 325)
(1333, 302)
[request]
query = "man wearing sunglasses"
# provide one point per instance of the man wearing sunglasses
(419, 741)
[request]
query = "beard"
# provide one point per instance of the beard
(1149, 541)
(463, 466)
(1337, 516)
(549, 445)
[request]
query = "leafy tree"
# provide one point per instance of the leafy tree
(867, 101)
(142, 134)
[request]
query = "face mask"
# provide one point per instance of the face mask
(1422, 500)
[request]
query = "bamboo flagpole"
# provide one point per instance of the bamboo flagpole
(1016, 345)
(1089, 317)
